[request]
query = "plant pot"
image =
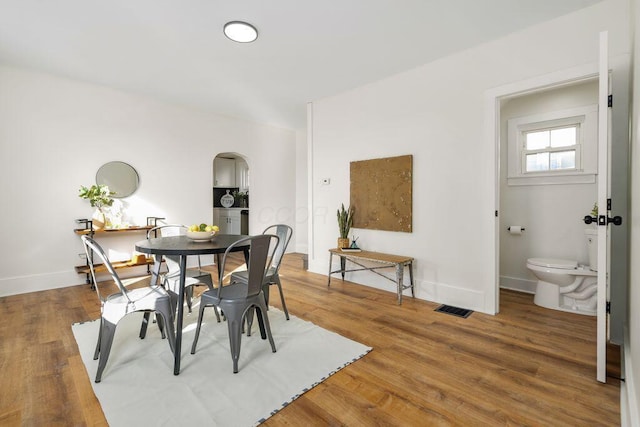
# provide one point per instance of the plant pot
(343, 242)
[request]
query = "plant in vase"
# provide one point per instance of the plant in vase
(592, 218)
(345, 221)
(242, 198)
(99, 196)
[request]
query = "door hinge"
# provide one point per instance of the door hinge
(610, 101)
(609, 307)
(496, 214)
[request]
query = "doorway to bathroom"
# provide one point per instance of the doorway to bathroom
(546, 191)
(536, 206)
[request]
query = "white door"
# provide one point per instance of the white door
(603, 213)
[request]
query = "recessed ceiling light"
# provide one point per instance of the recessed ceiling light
(240, 32)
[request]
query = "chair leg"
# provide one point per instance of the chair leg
(108, 331)
(189, 295)
(284, 305)
(263, 332)
(145, 324)
(96, 353)
(167, 320)
(234, 324)
(161, 324)
(249, 319)
(195, 338)
(262, 312)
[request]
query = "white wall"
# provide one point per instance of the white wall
(56, 133)
(551, 214)
(436, 112)
(630, 396)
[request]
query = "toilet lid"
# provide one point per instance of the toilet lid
(554, 262)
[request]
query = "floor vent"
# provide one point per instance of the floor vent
(455, 311)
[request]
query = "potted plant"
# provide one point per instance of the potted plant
(345, 221)
(592, 218)
(99, 196)
(242, 198)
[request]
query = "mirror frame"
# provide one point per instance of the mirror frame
(121, 177)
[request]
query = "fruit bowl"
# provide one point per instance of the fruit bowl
(200, 236)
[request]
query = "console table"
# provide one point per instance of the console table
(382, 260)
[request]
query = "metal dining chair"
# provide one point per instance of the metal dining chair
(171, 279)
(236, 298)
(272, 277)
(115, 306)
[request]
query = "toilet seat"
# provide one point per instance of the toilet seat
(565, 264)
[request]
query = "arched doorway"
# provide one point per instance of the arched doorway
(230, 175)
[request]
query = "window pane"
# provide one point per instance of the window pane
(537, 162)
(564, 137)
(537, 140)
(563, 160)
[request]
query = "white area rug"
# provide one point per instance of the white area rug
(138, 386)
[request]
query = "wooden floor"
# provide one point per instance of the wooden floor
(526, 366)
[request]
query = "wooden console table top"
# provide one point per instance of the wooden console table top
(373, 256)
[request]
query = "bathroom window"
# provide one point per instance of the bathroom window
(553, 148)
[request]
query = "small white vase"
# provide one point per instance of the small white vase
(98, 219)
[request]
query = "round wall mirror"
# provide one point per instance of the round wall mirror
(120, 177)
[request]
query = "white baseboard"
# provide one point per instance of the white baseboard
(301, 248)
(39, 282)
(56, 280)
(517, 284)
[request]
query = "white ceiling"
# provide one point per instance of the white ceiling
(175, 50)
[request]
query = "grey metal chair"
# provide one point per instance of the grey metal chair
(237, 298)
(272, 277)
(115, 306)
(171, 279)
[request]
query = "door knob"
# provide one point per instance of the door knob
(605, 220)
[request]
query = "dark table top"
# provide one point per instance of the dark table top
(182, 245)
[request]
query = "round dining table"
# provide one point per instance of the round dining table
(182, 247)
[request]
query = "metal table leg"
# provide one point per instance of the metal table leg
(178, 347)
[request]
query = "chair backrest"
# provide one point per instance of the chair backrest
(284, 233)
(260, 257)
(91, 249)
(167, 230)
(173, 263)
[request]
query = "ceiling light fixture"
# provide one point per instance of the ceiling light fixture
(240, 32)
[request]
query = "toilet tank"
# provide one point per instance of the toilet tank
(592, 247)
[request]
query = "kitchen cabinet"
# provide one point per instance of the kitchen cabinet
(224, 172)
(229, 221)
(242, 175)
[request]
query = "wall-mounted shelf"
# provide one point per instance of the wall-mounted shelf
(84, 269)
(89, 230)
(84, 231)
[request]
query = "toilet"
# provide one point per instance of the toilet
(564, 284)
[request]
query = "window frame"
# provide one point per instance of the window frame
(584, 118)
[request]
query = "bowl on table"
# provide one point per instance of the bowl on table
(200, 236)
